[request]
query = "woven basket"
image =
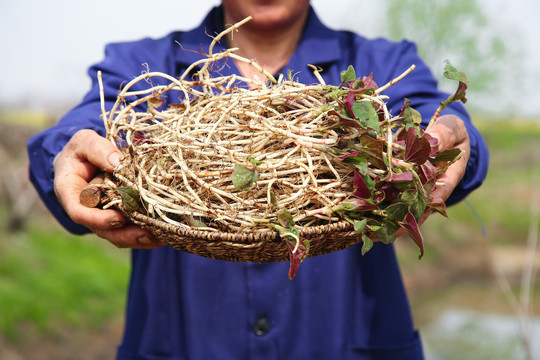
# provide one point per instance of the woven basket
(258, 247)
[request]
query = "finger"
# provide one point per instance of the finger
(130, 236)
(447, 182)
(74, 166)
(68, 187)
(450, 131)
(89, 146)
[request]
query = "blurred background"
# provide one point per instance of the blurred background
(474, 294)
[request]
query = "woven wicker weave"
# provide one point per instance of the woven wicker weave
(259, 247)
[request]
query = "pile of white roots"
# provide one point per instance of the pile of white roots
(181, 158)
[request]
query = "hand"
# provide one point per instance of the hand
(83, 156)
(450, 132)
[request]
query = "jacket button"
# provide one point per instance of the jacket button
(261, 326)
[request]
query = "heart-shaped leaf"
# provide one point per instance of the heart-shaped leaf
(243, 177)
(131, 199)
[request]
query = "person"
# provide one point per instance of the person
(181, 306)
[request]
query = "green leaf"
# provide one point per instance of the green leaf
(285, 218)
(397, 211)
(243, 177)
(131, 199)
(450, 72)
(357, 160)
(447, 155)
(360, 225)
(295, 234)
(196, 222)
(273, 198)
(348, 75)
(254, 161)
(366, 114)
(387, 232)
(367, 244)
(411, 117)
(354, 204)
(418, 208)
(336, 94)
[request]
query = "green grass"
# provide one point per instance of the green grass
(48, 277)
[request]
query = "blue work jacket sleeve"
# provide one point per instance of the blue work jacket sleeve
(122, 62)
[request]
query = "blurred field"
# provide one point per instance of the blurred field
(489, 229)
(62, 296)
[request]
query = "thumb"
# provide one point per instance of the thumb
(97, 150)
(89, 149)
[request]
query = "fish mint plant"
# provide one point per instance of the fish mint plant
(256, 168)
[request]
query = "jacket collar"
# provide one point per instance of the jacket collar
(318, 45)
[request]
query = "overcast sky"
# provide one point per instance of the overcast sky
(47, 45)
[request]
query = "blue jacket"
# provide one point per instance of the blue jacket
(339, 306)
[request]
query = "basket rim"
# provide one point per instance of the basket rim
(245, 238)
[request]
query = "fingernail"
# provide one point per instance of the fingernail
(114, 159)
(144, 240)
(116, 224)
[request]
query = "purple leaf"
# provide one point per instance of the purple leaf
(401, 177)
(412, 228)
(427, 172)
(362, 190)
(354, 153)
(438, 205)
(373, 150)
(369, 83)
(140, 138)
(366, 85)
(433, 142)
(349, 102)
(355, 204)
(297, 256)
(417, 149)
(390, 191)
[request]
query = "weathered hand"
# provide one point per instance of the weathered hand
(450, 132)
(83, 156)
